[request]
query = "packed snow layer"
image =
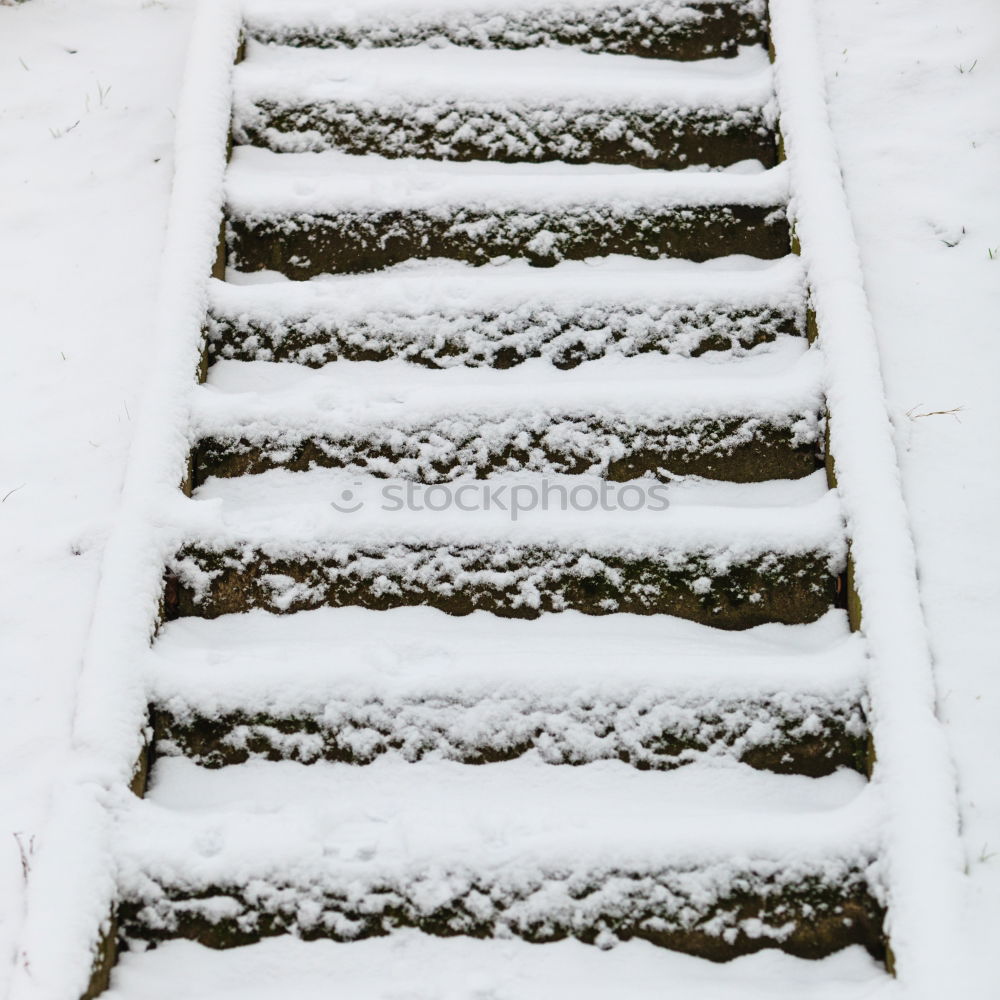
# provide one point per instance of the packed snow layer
(420, 967)
(782, 384)
(286, 75)
(737, 282)
(285, 663)
(281, 509)
(263, 184)
(397, 813)
(445, 314)
(682, 29)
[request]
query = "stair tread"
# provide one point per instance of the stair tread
(281, 510)
(420, 287)
(689, 29)
(342, 820)
(421, 967)
(448, 314)
(352, 684)
(287, 663)
(541, 76)
(262, 183)
(773, 382)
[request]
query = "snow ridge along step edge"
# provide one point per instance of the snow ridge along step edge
(923, 856)
(68, 940)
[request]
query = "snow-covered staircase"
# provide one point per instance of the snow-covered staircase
(422, 668)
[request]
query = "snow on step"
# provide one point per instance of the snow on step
(350, 684)
(619, 417)
(718, 861)
(674, 29)
(530, 105)
(445, 315)
(261, 182)
(305, 214)
(285, 73)
(283, 541)
(430, 968)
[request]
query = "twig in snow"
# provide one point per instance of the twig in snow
(963, 69)
(25, 853)
(102, 94)
(953, 412)
(956, 241)
(993, 252)
(58, 133)
(11, 492)
(986, 854)
(24, 64)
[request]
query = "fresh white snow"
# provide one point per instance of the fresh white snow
(419, 967)
(912, 106)
(261, 184)
(283, 74)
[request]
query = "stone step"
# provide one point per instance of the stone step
(658, 29)
(306, 214)
(529, 106)
(445, 315)
(751, 421)
(350, 685)
(714, 861)
(288, 542)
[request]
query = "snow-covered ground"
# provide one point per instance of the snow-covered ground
(87, 95)
(86, 99)
(913, 100)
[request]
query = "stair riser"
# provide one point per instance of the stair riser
(497, 339)
(743, 451)
(810, 917)
(661, 138)
(514, 582)
(649, 733)
(655, 30)
(303, 247)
